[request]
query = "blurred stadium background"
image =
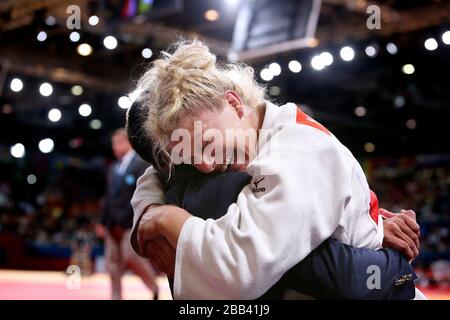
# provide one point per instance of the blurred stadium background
(385, 93)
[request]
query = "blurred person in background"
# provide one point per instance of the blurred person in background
(117, 217)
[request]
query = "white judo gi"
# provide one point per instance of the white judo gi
(306, 187)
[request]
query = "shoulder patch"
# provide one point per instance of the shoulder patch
(304, 119)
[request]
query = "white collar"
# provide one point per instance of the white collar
(125, 161)
(270, 114)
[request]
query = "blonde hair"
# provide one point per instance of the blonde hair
(181, 84)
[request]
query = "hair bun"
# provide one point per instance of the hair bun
(192, 55)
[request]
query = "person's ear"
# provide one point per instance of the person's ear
(233, 100)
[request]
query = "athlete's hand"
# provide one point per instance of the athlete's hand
(162, 256)
(148, 228)
(401, 232)
(158, 232)
(152, 244)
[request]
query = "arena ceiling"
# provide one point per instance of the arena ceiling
(401, 113)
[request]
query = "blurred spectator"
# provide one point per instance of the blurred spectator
(117, 217)
(423, 185)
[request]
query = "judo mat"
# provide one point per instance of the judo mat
(52, 285)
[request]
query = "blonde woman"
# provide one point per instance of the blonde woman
(306, 186)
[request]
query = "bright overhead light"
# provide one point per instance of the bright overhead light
(50, 21)
(360, 111)
(295, 66)
(399, 101)
(84, 49)
(320, 61)
(46, 89)
(17, 150)
(317, 63)
(85, 110)
(93, 20)
(211, 15)
(411, 124)
(31, 179)
(408, 69)
(147, 53)
(77, 90)
(42, 36)
(431, 44)
(275, 91)
(74, 36)
(110, 42)
(275, 69)
(124, 102)
(327, 58)
(54, 115)
(446, 37)
(371, 51)
(46, 145)
(347, 53)
(95, 124)
(391, 48)
(266, 75)
(16, 85)
(369, 147)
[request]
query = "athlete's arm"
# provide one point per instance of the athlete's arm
(242, 254)
(331, 271)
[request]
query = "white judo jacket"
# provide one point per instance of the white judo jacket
(306, 187)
